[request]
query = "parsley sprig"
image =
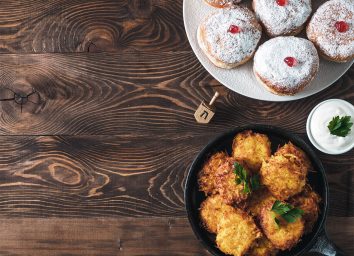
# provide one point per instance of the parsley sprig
(249, 183)
(340, 126)
(288, 212)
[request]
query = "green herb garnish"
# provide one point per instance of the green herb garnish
(240, 172)
(288, 212)
(249, 183)
(340, 126)
(254, 181)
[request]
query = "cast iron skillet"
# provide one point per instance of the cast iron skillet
(317, 241)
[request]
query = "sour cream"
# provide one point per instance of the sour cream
(319, 133)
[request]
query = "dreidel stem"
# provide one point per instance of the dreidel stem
(216, 95)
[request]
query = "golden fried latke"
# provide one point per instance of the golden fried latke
(258, 200)
(308, 201)
(236, 232)
(283, 236)
(290, 150)
(263, 247)
(253, 148)
(210, 211)
(226, 185)
(284, 176)
(206, 177)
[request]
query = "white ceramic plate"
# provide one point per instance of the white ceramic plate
(241, 79)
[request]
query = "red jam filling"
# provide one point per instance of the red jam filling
(290, 61)
(342, 26)
(234, 29)
(282, 2)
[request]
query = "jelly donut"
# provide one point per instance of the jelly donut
(282, 17)
(222, 3)
(331, 29)
(286, 65)
(229, 37)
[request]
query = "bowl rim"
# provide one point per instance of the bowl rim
(309, 132)
(265, 128)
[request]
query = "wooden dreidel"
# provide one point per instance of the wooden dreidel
(205, 112)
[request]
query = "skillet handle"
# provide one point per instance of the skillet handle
(326, 247)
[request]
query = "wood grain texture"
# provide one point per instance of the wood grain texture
(120, 236)
(92, 176)
(95, 25)
(340, 231)
(136, 93)
(99, 237)
(106, 176)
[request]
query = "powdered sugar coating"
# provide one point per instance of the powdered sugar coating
(282, 20)
(269, 61)
(322, 31)
(228, 47)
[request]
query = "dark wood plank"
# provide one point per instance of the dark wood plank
(151, 89)
(121, 236)
(99, 237)
(92, 176)
(95, 25)
(113, 176)
(341, 231)
(119, 94)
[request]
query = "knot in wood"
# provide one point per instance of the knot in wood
(65, 174)
(100, 40)
(21, 98)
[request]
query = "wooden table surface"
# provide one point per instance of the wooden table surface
(98, 167)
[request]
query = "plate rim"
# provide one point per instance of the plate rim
(279, 98)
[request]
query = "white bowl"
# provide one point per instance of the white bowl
(314, 142)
